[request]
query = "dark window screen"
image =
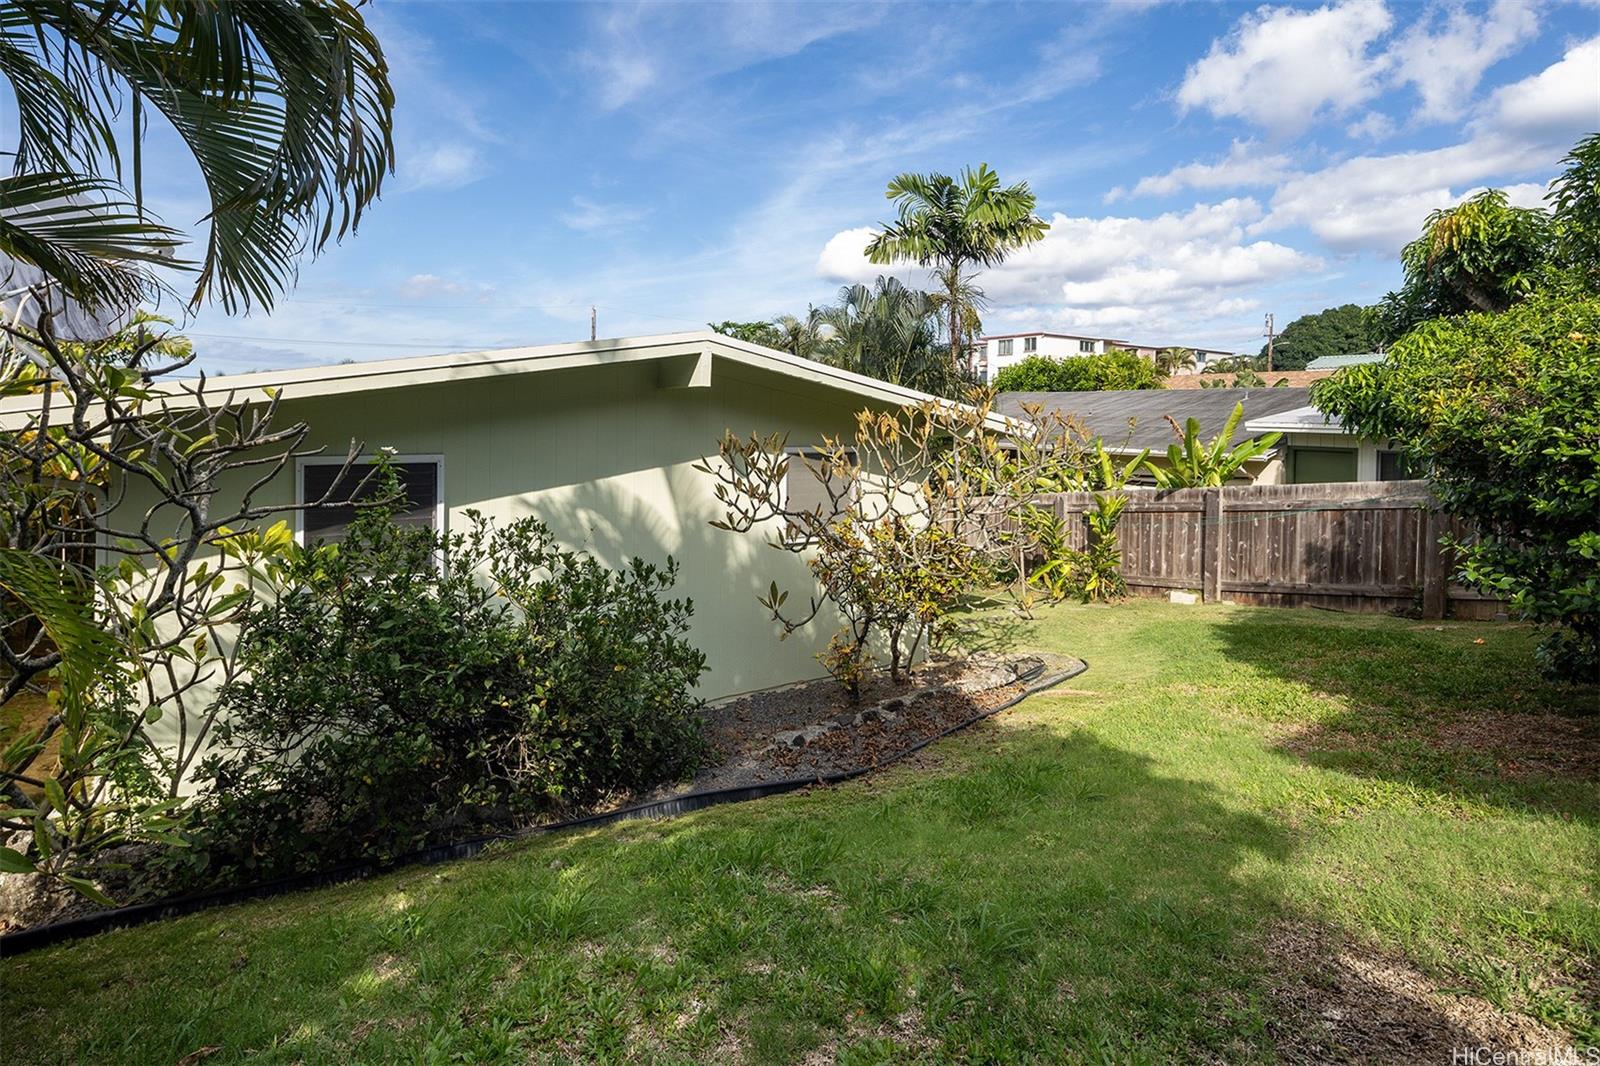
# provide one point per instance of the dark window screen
(1393, 466)
(804, 489)
(419, 482)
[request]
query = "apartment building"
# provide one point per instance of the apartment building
(996, 352)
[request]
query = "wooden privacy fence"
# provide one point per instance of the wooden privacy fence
(1358, 546)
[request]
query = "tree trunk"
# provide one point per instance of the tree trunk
(952, 289)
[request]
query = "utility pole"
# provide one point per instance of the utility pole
(591, 322)
(1270, 338)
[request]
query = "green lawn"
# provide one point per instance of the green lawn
(1145, 865)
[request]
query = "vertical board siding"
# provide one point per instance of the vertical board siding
(1359, 546)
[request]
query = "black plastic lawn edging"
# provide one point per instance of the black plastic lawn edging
(24, 940)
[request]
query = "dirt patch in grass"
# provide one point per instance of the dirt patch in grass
(1335, 1001)
(1519, 745)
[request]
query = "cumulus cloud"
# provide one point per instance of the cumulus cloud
(1378, 202)
(1124, 274)
(1282, 68)
(1560, 101)
(1246, 164)
(1446, 62)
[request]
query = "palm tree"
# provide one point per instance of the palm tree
(1175, 360)
(284, 105)
(806, 337)
(954, 227)
(891, 332)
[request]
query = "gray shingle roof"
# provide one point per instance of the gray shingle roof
(1108, 414)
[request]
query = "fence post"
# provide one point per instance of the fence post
(1211, 555)
(1435, 574)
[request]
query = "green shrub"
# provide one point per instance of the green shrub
(1503, 413)
(408, 687)
(1116, 369)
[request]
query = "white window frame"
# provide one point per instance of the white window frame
(814, 451)
(1030, 345)
(436, 458)
(1004, 348)
(1086, 347)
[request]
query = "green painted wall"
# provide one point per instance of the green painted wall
(604, 457)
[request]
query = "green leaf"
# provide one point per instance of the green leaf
(14, 862)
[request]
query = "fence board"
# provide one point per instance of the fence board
(1365, 546)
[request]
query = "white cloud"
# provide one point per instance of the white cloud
(1245, 165)
(1378, 202)
(646, 49)
(1373, 126)
(590, 216)
(1281, 68)
(1132, 276)
(1446, 62)
(1562, 100)
(441, 166)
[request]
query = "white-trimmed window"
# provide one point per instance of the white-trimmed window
(806, 485)
(1086, 346)
(421, 479)
(1003, 348)
(1030, 345)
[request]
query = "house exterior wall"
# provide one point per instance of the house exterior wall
(1366, 452)
(990, 362)
(603, 455)
(989, 359)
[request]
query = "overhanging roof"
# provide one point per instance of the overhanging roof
(1306, 419)
(675, 348)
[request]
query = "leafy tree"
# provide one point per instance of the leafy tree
(762, 333)
(1503, 412)
(806, 337)
(118, 650)
(1342, 330)
(924, 506)
(1574, 199)
(285, 107)
(1193, 463)
(1116, 369)
(956, 226)
(1481, 255)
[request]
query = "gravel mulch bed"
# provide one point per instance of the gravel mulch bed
(812, 729)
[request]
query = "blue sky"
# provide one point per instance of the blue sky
(1201, 163)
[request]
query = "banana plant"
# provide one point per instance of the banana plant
(1193, 463)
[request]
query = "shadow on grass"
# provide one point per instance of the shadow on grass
(1456, 708)
(1015, 894)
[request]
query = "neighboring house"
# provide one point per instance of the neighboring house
(1312, 448)
(1336, 362)
(599, 441)
(995, 352)
(1134, 420)
(1317, 448)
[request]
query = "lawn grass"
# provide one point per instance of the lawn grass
(1098, 875)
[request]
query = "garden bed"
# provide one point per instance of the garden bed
(814, 730)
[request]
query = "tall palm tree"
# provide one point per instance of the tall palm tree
(284, 105)
(955, 227)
